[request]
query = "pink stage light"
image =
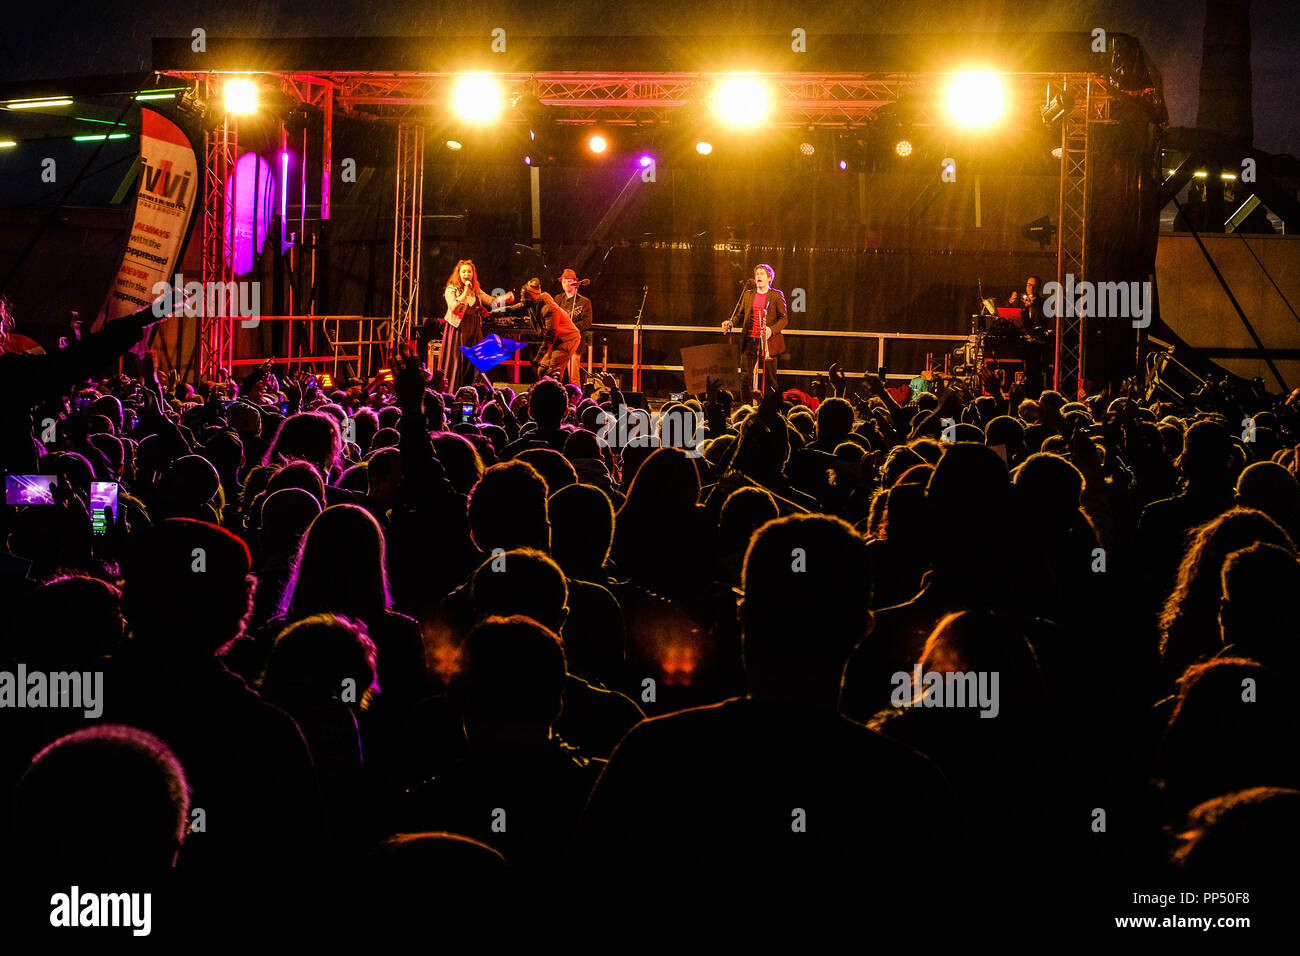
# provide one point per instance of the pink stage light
(250, 199)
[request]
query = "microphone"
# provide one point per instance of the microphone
(585, 282)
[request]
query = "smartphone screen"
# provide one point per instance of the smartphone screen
(103, 505)
(467, 411)
(29, 489)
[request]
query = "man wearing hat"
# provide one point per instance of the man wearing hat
(580, 313)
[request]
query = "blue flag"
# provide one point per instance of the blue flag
(491, 352)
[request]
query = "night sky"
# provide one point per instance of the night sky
(112, 36)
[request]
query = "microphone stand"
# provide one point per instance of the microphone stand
(736, 308)
(636, 341)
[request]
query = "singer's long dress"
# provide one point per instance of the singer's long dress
(455, 366)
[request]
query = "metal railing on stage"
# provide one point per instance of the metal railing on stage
(365, 344)
(636, 366)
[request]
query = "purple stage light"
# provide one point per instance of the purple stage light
(646, 160)
(250, 196)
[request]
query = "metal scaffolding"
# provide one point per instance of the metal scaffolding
(409, 206)
(216, 332)
(1090, 106)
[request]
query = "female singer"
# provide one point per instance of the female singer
(467, 305)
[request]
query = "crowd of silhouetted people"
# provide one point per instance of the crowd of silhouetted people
(361, 634)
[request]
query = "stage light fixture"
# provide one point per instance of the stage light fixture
(597, 143)
(843, 164)
(703, 148)
(807, 148)
(1040, 231)
(976, 98)
(528, 160)
(742, 101)
(478, 98)
(1056, 109)
(903, 148)
(454, 144)
(1057, 152)
(645, 160)
(7, 143)
(240, 96)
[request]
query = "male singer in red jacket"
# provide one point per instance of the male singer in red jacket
(761, 313)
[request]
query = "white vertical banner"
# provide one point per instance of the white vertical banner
(164, 208)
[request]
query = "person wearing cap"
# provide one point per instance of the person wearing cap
(560, 337)
(580, 313)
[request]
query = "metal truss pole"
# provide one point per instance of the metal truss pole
(216, 332)
(1072, 236)
(409, 206)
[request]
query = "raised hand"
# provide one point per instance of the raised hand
(836, 375)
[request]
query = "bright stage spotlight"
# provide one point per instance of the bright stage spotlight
(454, 144)
(903, 147)
(703, 148)
(478, 98)
(645, 160)
(807, 148)
(597, 144)
(742, 101)
(240, 96)
(976, 98)
(843, 164)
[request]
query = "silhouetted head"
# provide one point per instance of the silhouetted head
(1258, 584)
(666, 484)
(744, 512)
(1207, 453)
(523, 581)
(286, 515)
(298, 474)
(460, 460)
(340, 567)
(1188, 621)
(512, 679)
(554, 468)
(420, 863)
(104, 800)
(1268, 487)
(585, 516)
(187, 587)
(1242, 834)
(1047, 490)
(807, 584)
(547, 403)
(310, 436)
(1239, 711)
(318, 654)
(507, 508)
(80, 621)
